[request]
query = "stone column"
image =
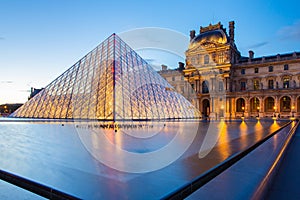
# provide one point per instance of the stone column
(247, 108)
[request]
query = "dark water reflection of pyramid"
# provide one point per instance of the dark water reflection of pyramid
(112, 82)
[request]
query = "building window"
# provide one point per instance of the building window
(254, 105)
(256, 85)
(255, 70)
(286, 67)
(243, 71)
(243, 85)
(173, 78)
(269, 104)
(285, 104)
(206, 59)
(271, 84)
(270, 68)
(240, 105)
(221, 88)
(205, 87)
(221, 57)
(286, 82)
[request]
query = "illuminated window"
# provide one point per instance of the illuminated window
(285, 104)
(254, 104)
(221, 57)
(240, 105)
(255, 70)
(206, 59)
(286, 82)
(271, 84)
(256, 85)
(269, 102)
(270, 68)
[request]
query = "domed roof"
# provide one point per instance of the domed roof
(214, 36)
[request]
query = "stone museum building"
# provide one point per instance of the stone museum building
(221, 82)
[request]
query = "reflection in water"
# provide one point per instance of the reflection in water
(137, 147)
(243, 129)
(212, 136)
(258, 130)
(274, 126)
(224, 141)
(54, 155)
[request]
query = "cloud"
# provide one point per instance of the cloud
(149, 60)
(254, 46)
(291, 32)
(6, 81)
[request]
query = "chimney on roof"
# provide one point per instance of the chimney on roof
(278, 56)
(231, 31)
(180, 66)
(192, 34)
(164, 67)
(251, 54)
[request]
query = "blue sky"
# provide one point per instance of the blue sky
(40, 39)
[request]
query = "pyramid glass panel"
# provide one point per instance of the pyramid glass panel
(112, 82)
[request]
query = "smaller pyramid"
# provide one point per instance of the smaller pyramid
(112, 82)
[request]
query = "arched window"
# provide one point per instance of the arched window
(269, 104)
(205, 87)
(254, 105)
(285, 104)
(205, 108)
(240, 105)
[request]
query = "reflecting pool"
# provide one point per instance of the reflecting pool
(128, 160)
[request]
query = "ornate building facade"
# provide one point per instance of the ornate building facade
(229, 85)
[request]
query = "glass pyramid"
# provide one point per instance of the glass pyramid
(112, 82)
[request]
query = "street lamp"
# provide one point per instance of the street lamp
(243, 110)
(293, 107)
(274, 115)
(257, 112)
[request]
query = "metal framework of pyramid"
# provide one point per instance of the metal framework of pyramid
(112, 82)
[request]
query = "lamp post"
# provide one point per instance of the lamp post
(257, 112)
(243, 109)
(293, 107)
(274, 115)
